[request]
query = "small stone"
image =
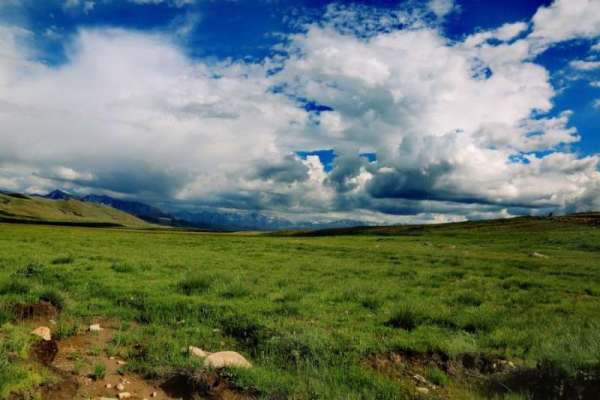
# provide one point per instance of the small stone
(423, 390)
(198, 352)
(153, 394)
(95, 328)
(120, 387)
(511, 364)
(124, 395)
(42, 332)
(111, 358)
(539, 255)
(108, 386)
(108, 398)
(421, 379)
(119, 362)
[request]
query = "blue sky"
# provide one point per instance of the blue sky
(274, 46)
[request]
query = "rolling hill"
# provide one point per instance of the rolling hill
(26, 209)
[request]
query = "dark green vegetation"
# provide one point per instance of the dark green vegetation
(331, 317)
(25, 209)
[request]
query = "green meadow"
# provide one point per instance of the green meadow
(501, 309)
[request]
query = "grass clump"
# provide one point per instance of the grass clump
(17, 376)
(196, 284)
(53, 297)
(437, 376)
(99, 372)
(63, 260)
(406, 317)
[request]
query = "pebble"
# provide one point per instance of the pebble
(124, 395)
(420, 379)
(95, 328)
(423, 390)
(154, 394)
(119, 362)
(120, 387)
(108, 386)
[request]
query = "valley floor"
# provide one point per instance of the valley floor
(504, 310)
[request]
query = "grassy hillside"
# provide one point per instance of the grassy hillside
(36, 209)
(503, 309)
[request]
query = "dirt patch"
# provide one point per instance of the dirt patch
(468, 364)
(205, 385)
(414, 367)
(39, 310)
(80, 354)
(492, 375)
(44, 351)
(547, 382)
(65, 388)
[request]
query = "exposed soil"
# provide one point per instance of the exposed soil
(41, 310)
(44, 351)
(78, 355)
(491, 374)
(209, 385)
(73, 360)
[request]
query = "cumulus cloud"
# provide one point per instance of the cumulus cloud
(461, 129)
(567, 19)
(583, 65)
(441, 8)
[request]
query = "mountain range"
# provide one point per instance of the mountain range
(202, 218)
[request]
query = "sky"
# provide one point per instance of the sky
(379, 111)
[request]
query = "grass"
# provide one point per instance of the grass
(36, 209)
(98, 372)
(310, 311)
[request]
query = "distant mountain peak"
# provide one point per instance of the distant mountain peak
(59, 195)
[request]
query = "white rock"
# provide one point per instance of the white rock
(95, 328)
(154, 394)
(224, 359)
(119, 362)
(423, 390)
(124, 395)
(108, 386)
(539, 255)
(42, 332)
(198, 352)
(421, 379)
(120, 387)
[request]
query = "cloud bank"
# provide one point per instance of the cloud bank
(460, 129)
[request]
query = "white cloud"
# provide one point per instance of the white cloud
(457, 126)
(567, 19)
(583, 65)
(505, 33)
(441, 8)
